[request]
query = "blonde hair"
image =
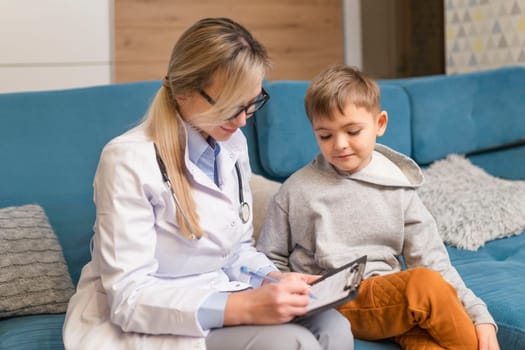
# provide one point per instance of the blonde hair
(335, 87)
(212, 46)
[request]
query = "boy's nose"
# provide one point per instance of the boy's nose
(340, 142)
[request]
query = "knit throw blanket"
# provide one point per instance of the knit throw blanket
(471, 206)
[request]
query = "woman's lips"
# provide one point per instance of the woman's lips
(229, 131)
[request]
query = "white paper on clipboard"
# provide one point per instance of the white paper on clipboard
(337, 286)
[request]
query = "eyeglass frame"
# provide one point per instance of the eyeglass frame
(265, 98)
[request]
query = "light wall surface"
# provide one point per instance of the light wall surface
(55, 44)
(58, 44)
(352, 31)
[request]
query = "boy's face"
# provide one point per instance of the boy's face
(347, 140)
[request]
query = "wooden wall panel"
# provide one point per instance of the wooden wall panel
(302, 36)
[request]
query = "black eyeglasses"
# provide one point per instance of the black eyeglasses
(249, 109)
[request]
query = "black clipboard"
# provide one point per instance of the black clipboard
(336, 287)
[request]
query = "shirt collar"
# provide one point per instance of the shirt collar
(197, 144)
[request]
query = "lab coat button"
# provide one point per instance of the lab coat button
(233, 224)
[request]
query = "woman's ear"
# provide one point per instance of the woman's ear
(181, 99)
(382, 121)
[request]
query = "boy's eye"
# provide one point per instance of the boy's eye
(324, 137)
(354, 132)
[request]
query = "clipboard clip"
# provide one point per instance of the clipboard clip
(355, 276)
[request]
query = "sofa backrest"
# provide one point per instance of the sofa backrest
(465, 113)
(479, 114)
(49, 149)
(281, 139)
(50, 142)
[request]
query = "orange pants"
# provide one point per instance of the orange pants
(417, 308)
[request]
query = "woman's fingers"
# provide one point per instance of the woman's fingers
(272, 303)
(309, 279)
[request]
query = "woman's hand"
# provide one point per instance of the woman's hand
(309, 279)
(272, 303)
(487, 339)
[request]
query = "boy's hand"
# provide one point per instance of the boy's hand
(487, 339)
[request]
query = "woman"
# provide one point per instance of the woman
(173, 221)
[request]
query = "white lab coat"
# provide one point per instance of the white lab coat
(146, 281)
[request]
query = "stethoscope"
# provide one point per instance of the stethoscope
(244, 207)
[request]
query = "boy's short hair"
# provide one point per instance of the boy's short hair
(337, 86)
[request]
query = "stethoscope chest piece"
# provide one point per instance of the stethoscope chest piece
(244, 212)
(244, 208)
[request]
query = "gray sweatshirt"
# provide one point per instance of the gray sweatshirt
(322, 218)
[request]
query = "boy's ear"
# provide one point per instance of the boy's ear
(382, 121)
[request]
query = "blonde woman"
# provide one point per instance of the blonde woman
(173, 220)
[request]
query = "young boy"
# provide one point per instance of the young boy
(359, 198)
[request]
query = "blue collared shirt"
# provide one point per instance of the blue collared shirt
(202, 154)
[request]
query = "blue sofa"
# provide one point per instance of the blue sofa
(51, 141)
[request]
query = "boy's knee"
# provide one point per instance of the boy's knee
(429, 280)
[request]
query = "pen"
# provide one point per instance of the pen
(245, 269)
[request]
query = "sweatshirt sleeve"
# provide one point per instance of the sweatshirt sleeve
(424, 247)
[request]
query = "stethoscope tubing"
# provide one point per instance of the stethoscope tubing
(244, 207)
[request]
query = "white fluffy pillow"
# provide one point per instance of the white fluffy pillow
(471, 206)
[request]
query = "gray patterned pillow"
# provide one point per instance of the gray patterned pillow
(471, 206)
(34, 278)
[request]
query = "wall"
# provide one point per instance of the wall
(484, 34)
(302, 36)
(58, 44)
(402, 38)
(54, 44)
(353, 44)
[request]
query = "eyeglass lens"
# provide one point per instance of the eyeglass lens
(251, 108)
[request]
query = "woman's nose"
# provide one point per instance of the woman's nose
(240, 119)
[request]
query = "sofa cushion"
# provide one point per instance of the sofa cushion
(34, 278)
(42, 332)
(467, 112)
(285, 139)
(502, 163)
(495, 274)
(398, 134)
(471, 206)
(51, 142)
(284, 136)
